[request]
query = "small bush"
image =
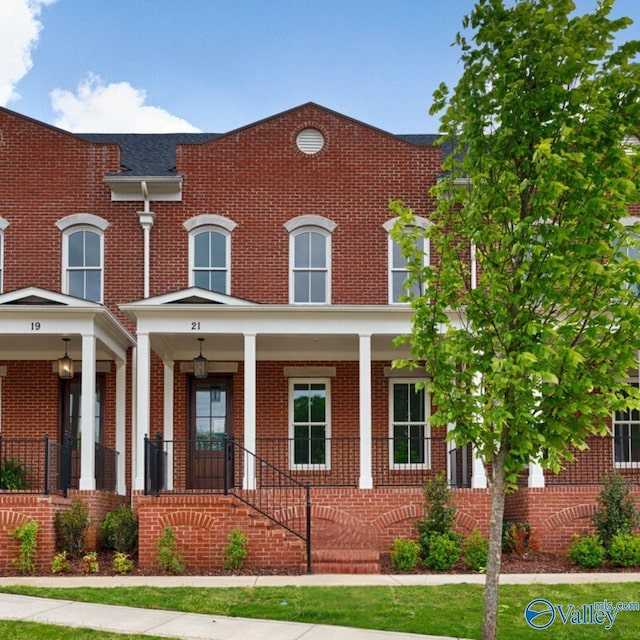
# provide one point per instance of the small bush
(27, 535)
(518, 538)
(405, 554)
(617, 511)
(60, 563)
(587, 552)
(90, 563)
(119, 530)
(236, 551)
(71, 528)
(122, 563)
(625, 550)
(13, 475)
(169, 557)
(443, 553)
(475, 550)
(440, 513)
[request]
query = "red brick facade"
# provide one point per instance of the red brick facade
(146, 194)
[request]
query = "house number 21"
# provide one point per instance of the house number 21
(195, 326)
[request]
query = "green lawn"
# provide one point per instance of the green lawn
(33, 631)
(451, 610)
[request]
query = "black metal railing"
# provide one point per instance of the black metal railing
(603, 454)
(406, 462)
(42, 465)
(322, 462)
(217, 466)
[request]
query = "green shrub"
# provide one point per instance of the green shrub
(122, 563)
(405, 554)
(475, 550)
(90, 563)
(13, 475)
(119, 530)
(169, 557)
(60, 563)
(617, 511)
(236, 551)
(518, 538)
(443, 552)
(624, 550)
(587, 552)
(71, 528)
(440, 514)
(27, 535)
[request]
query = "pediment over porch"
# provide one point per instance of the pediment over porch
(191, 295)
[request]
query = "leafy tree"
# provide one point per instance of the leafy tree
(527, 354)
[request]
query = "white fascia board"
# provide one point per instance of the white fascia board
(159, 188)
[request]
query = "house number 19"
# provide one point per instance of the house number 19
(35, 326)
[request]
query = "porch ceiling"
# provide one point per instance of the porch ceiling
(280, 347)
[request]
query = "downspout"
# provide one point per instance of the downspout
(147, 218)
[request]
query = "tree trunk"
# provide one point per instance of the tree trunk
(498, 487)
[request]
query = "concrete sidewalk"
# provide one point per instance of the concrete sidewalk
(173, 624)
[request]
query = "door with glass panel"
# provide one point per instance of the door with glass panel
(210, 423)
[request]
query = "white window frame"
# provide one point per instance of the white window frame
(406, 466)
(3, 225)
(210, 223)
(619, 464)
(420, 222)
(81, 222)
(327, 432)
(310, 224)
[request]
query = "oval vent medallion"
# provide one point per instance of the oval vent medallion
(310, 141)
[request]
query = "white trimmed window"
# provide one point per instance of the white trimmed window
(310, 259)
(626, 437)
(399, 272)
(83, 255)
(210, 252)
(409, 430)
(309, 423)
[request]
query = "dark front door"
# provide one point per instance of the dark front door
(210, 423)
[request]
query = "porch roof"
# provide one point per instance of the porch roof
(33, 321)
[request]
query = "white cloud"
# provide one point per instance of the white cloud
(117, 107)
(19, 33)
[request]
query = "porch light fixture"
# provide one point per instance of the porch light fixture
(200, 364)
(65, 364)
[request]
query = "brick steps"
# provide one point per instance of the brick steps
(351, 561)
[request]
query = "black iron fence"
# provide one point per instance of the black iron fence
(44, 466)
(604, 454)
(217, 466)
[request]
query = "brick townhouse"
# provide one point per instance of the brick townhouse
(202, 325)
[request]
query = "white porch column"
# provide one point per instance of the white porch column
(536, 476)
(134, 415)
(249, 409)
(121, 440)
(88, 415)
(366, 476)
(168, 418)
(478, 473)
(143, 401)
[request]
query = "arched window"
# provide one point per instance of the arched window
(398, 268)
(210, 252)
(310, 259)
(83, 256)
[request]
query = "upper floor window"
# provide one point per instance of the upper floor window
(83, 256)
(210, 252)
(3, 225)
(310, 259)
(399, 272)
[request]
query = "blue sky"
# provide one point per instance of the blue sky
(215, 65)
